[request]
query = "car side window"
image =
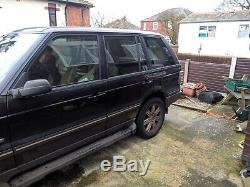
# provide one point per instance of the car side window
(158, 53)
(121, 54)
(68, 60)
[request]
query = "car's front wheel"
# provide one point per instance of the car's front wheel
(150, 118)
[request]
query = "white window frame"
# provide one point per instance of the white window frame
(155, 26)
(211, 33)
(246, 32)
(206, 32)
(144, 26)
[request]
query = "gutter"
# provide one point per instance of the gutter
(212, 21)
(87, 4)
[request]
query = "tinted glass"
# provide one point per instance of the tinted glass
(121, 55)
(68, 60)
(158, 52)
(12, 49)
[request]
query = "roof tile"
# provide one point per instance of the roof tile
(218, 17)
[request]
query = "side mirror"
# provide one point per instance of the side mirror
(32, 88)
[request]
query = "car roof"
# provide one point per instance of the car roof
(82, 29)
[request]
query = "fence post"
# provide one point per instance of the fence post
(233, 67)
(186, 70)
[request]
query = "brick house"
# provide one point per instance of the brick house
(155, 23)
(16, 14)
(122, 23)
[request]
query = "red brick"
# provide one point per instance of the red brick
(161, 29)
(78, 16)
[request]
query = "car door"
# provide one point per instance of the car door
(162, 65)
(124, 79)
(6, 152)
(73, 113)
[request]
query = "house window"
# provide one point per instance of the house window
(211, 31)
(203, 32)
(170, 25)
(52, 15)
(244, 31)
(145, 26)
(207, 31)
(155, 26)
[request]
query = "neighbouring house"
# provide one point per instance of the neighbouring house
(16, 14)
(122, 23)
(166, 22)
(216, 34)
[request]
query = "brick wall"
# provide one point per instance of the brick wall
(77, 16)
(161, 29)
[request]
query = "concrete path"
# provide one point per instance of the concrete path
(192, 149)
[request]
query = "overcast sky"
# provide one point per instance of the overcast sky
(137, 10)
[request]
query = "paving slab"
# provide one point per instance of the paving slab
(192, 149)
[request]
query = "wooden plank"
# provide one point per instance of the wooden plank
(186, 71)
(233, 67)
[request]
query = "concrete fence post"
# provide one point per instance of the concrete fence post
(233, 67)
(186, 70)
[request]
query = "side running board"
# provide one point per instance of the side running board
(42, 171)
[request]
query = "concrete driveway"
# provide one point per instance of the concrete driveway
(192, 149)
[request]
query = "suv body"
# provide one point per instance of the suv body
(97, 85)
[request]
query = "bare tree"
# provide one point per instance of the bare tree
(170, 22)
(233, 5)
(99, 20)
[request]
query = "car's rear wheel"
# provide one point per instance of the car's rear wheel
(150, 118)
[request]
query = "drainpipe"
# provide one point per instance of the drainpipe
(66, 6)
(82, 10)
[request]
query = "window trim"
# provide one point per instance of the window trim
(50, 15)
(105, 56)
(144, 26)
(248, 34)
(207, 31)
(155, 25)
(144, 46)
(56, 35)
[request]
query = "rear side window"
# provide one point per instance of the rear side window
(122, 56)
(158, 53)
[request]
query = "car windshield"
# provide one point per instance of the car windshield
(12, 47)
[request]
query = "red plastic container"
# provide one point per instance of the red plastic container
(189, 89)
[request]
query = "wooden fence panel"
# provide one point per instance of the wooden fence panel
(212, 73)
(209, 73)
(242, 67)
(182, 70)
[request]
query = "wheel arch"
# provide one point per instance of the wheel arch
(155, 93)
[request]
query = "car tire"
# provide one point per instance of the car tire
(150, 118)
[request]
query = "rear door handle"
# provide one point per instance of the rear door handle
(94, 97)
(2, 140)
(148, 80)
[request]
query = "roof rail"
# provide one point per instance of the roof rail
(30, 28)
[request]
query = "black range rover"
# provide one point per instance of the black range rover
(67, 92)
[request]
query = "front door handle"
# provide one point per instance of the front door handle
(94, 97)
(2, 140)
